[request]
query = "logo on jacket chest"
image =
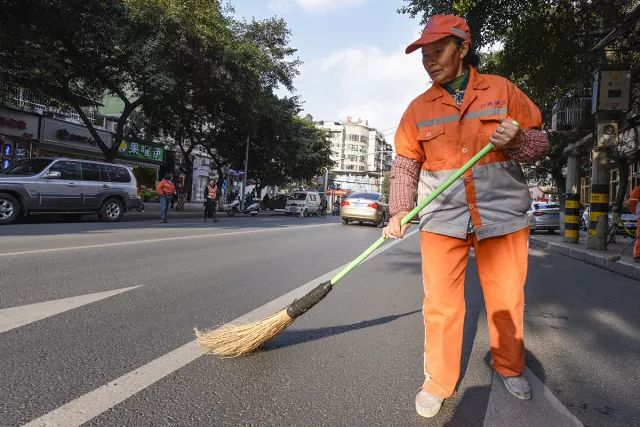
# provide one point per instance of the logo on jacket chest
(493, 104)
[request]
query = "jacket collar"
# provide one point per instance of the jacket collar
(476, 81)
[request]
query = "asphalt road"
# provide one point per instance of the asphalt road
(127, 357)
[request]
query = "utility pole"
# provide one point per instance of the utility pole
(326, 180)
(610, 100)
(599, 199)
(572, 198)
(244, 176)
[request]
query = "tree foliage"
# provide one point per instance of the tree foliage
(200, 76)
(543, 46)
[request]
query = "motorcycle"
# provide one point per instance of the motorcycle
(252, 208)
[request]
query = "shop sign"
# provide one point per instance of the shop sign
(71, 134)
(18, 124)
(141, 151)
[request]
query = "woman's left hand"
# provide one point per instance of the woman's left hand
(508, 134)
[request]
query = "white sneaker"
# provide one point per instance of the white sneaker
(427, 405)
(518, 386)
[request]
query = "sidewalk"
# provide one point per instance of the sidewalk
(604, 259)
(191, 210)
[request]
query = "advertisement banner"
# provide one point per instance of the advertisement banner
(14, 123)
(72, 135)
(141, 151)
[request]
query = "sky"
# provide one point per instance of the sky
(353, 57)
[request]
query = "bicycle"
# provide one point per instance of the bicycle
(616, 227)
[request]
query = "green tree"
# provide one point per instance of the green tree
(77, 50)
(544, 46)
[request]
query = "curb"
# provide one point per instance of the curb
(602, 261)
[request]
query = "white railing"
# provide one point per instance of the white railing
(28, 100)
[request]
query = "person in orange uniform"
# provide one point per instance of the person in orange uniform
(486, 210)
(632, 203)
(166, 190)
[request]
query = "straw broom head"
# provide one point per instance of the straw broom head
(237, 340)
(233, 340)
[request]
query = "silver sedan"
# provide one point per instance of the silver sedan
(364, 207)
(545, 216)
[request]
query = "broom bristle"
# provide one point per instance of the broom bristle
(233, 340)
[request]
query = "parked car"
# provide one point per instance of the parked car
(65, 186)
(628, 218)
(303, 203)
(364, 207)
(279, 201)
(545, 216)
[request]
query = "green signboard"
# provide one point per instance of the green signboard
(141, 151)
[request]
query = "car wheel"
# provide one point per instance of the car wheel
(111, 210)
(9, 209)
(382, 220)
(345, 221)
(303, 213)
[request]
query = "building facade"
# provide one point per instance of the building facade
(360, 153)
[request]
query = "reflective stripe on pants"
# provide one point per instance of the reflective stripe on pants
(502, 268)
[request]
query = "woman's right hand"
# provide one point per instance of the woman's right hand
(394, 230)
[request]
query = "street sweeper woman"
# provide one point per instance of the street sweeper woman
(441, 130)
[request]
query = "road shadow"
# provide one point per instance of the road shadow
(298, 336)
(471, 408)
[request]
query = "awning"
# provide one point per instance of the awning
(138, 164)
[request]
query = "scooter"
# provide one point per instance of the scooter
(251, 208)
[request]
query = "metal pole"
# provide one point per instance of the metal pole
(572, 199)
(326, 180)
(599, 199)
(244, 176)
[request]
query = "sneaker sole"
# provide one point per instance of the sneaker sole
(427, 413)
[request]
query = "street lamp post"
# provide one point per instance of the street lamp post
(244, 176)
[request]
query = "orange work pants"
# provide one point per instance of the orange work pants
(502, 267)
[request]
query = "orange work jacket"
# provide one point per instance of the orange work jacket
(440, 135)
(166, 188)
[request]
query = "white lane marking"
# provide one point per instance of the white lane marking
(15, 317)
(160, 239)
(544, 409)
(94, 403)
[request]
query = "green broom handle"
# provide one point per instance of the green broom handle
(353, 264)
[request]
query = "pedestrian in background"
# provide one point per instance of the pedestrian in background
(210, 199)
(441, 130)
(632, 203)
(177, 195)
(166, 190)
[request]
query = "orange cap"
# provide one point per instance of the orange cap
(440, 26)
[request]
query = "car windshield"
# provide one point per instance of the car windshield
(28, 167)
(370, 196)
(298, 196)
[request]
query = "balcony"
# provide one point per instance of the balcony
(33, 102)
